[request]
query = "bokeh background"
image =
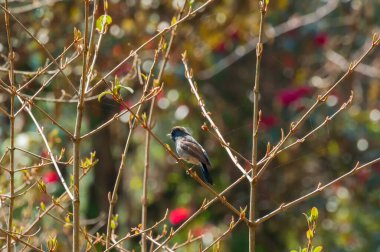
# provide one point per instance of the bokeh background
(309, 45)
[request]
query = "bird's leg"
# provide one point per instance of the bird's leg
(190, 170)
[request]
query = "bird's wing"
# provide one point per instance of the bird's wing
(195, 149)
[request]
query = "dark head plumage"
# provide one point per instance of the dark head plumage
(178, 131)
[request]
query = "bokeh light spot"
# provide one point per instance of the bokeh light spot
(181, 112)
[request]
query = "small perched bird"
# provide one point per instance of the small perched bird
(191, 151)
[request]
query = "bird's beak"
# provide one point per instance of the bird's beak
(168, 135)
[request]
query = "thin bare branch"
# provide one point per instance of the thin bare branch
(77, 139)
(320, 188)
(140, 232)
(206, 114)
(11, 78)
(19, 240)
(144, 211)
(263, 5)
(320, 99)
(41, 45)
(293, 23)
(52, 158)
(232, 226)
(157, 35)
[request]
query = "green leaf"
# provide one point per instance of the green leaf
(191, 3)
(309, 234)
(103, 94)
(174, 20)
(266, 2)
(304, 250)
(314, 214)
(42, 206)
(126, 88)
(102, 23)
(77, 34)
(42, 186)
(318, 249)
(293, 250)
(113, 224)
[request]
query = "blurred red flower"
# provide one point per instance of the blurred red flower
(268, 121)
(321, 39)
(179, 215)
(288, 96)
(50, 177)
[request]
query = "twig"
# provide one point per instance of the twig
(116, 116)
(37, 107)
(52, 158)
(255, 128)
(77, 138)
(96, 51)
(192, 174)
(45, 84)
(73, 99)
(144, 211)
(140, 232)
(4, 112)
(189, 241)
(144, 200)
(157, 35)
(34, 5)
(157, 243)
(41, 45)
(11, 127)
(206, 204)
(320, 188)
(43, 70)
(53, 121)
(343, 64)
(320, 100)
(4, 155)
(189, 76)
(324, 123)
(291, 24)
(232, 226)
(49, 208)
(112, 198)
(19, 240)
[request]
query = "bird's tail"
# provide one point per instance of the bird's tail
(206, 174)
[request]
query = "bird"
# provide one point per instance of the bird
(191, 151)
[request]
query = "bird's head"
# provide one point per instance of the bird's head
(178, 131)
